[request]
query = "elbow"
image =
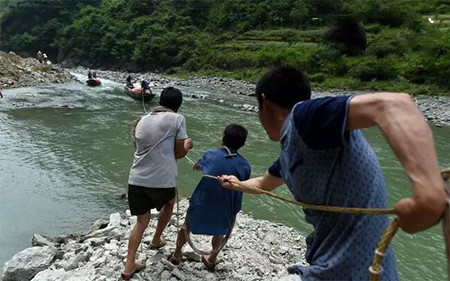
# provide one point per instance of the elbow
(181, 154)
(393, 105)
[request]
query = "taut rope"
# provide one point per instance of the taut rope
(375, 269)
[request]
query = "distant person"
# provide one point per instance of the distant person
(212, 209)
(44, 58)
(145, 86)
(94, 74)
(39, 56)
(89, 75)
(129, 83)
(1, 95)
(161, 139)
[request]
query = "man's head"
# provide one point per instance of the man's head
(278, 90)
(171, 98)
(284, 86)
(234, 136)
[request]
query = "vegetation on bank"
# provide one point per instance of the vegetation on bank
(240, 38)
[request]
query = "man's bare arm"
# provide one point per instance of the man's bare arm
(252, 186)
(182, 147)
(410, 138)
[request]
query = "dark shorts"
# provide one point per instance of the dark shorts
(142, 199)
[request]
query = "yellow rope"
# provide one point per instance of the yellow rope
(350, 210)
(375, 269)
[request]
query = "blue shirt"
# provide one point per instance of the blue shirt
(323, 164)
(212, 207)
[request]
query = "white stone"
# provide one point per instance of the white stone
(114, 220)
(25, 264)
(50, 275)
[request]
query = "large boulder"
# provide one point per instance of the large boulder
(24, 265)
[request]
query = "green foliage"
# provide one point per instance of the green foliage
(374, 69)
(240, 38)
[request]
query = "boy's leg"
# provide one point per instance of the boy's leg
(134, 241)
(181, 241)
(216, 242)
(163, 220)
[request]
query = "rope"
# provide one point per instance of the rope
(349, 210)
(213, 251)
(375, 269)
(188, 230)
(143, 103)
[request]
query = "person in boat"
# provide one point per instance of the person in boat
(129, 83)
(89, 75)
(94, 75)
(325, 160)
(145, 86)
(161, 139)
(212, 209)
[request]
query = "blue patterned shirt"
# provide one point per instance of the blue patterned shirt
(323, 164)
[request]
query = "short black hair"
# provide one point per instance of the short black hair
(171, 98)
(350, 34)
(234, 136)
(284, 86)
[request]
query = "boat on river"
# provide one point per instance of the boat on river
(94, 82)
(138, 94)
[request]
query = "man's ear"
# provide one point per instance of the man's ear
(265, 102)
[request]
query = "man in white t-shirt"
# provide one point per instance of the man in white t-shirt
(161, 139)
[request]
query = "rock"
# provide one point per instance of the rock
(39, 240)
(25, 264)
(257, 250)
(114, 220)
(50, 275)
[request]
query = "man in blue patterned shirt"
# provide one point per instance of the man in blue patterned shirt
(326, 160)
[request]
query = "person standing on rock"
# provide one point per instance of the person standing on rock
(212, 209)
(160, 139)
(325, 160)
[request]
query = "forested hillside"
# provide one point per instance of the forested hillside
(408, 40)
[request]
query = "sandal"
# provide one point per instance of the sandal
(210, 266)
(138, 267)
(174, 260)
(157, 246)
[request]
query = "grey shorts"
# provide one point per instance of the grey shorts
(142, 199)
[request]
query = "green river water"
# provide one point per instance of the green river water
(65, 154)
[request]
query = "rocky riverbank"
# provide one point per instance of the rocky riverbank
(435, 109)
(28, 72)
(16, 71)
(257, 250)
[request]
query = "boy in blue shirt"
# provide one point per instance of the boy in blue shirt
(212, 208)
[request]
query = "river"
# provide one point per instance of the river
(65, 154)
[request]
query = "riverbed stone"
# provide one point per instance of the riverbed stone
(257, 250)
(27, 263)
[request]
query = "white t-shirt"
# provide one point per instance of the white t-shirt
(154, 162)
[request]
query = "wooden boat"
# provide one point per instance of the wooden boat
(94, 82)
(136, 93)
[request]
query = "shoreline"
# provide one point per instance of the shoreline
(436, 109)
(29, 72)
(257, 250)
